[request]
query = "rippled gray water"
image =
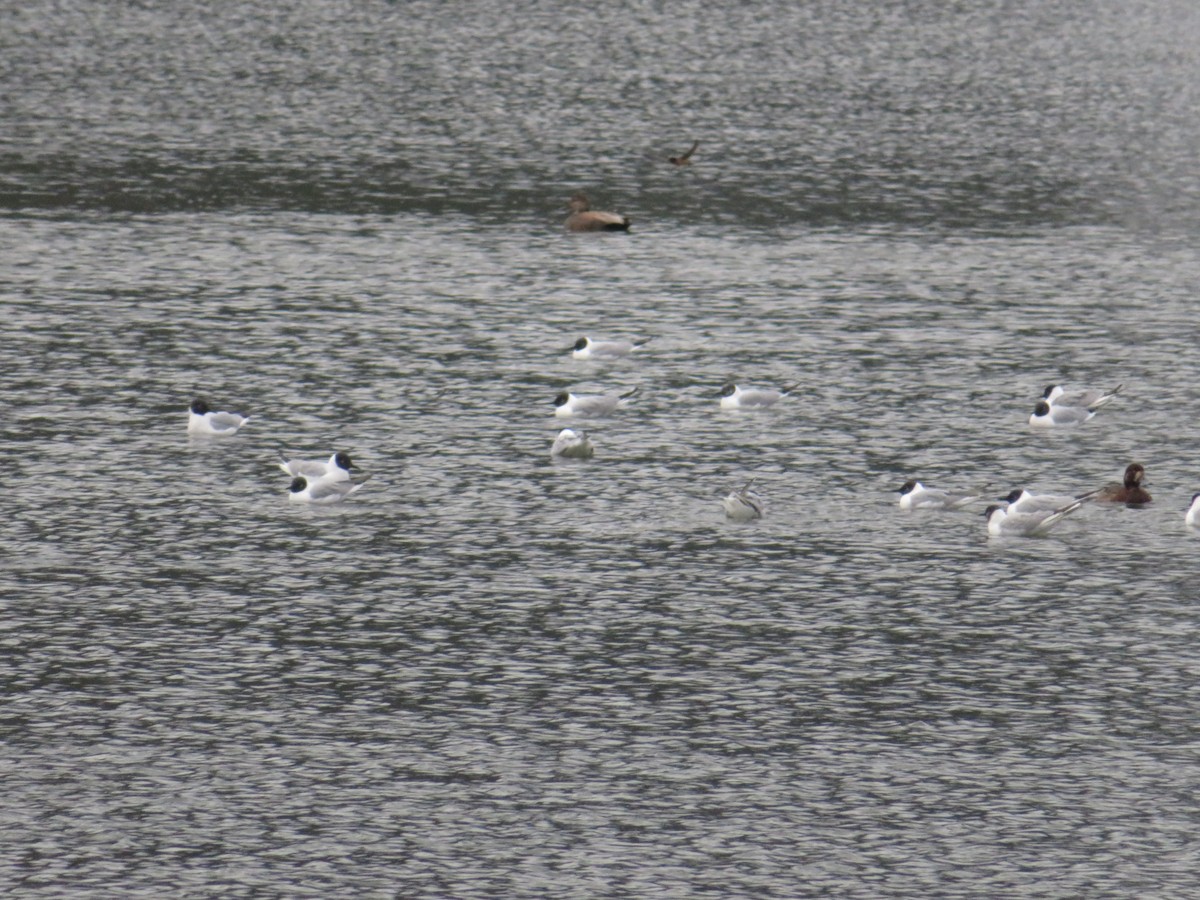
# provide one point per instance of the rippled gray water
(491, 675)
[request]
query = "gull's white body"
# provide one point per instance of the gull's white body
(1052, 415)
(734, 397)
(204, 422)
(914, 495)
(586, 348)
(568, 404)
(743, 504)
(1193, 514)
(321, 492)
(1002, 522)
(571, 444)
(319, 469)
(1025, 502)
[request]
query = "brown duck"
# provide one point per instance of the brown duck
(584, 218)
(1129, 492)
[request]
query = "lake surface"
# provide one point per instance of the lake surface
(488, 674)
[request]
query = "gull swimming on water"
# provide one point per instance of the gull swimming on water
(1047, 415)
(571, 444)
(1022, 501)
(743, 504)
(914, 495)
(1001, 521)
(584, 218)
(734, 397)
(322, 492)
(336, 468)
(202, 420)
(568, 404)
(586, 348)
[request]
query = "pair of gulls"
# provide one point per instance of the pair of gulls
(1057, 408)
(571, 444)
(1021, 512)
(732, 397)
(1024, 513)
(321, 481)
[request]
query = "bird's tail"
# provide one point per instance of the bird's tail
(1058, 515)
(1107, 398)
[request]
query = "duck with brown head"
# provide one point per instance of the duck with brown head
(1131, 491)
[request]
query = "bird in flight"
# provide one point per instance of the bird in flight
(686, 159)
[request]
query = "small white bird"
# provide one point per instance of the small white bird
(743, 504)
(586, 348)
(1047, 415)
(568, 404)
(202, 420)
(734, 397)
(336, 468)
(1001, 521)
(304, 491)
(914, 495)
(572, 445)
(1193, 514)
(1091, 399)
(1021, 501)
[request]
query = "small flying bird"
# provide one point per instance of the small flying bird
(686, 159)
(202, 420)
(584, 218)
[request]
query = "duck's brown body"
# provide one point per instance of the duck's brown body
(584, 218)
